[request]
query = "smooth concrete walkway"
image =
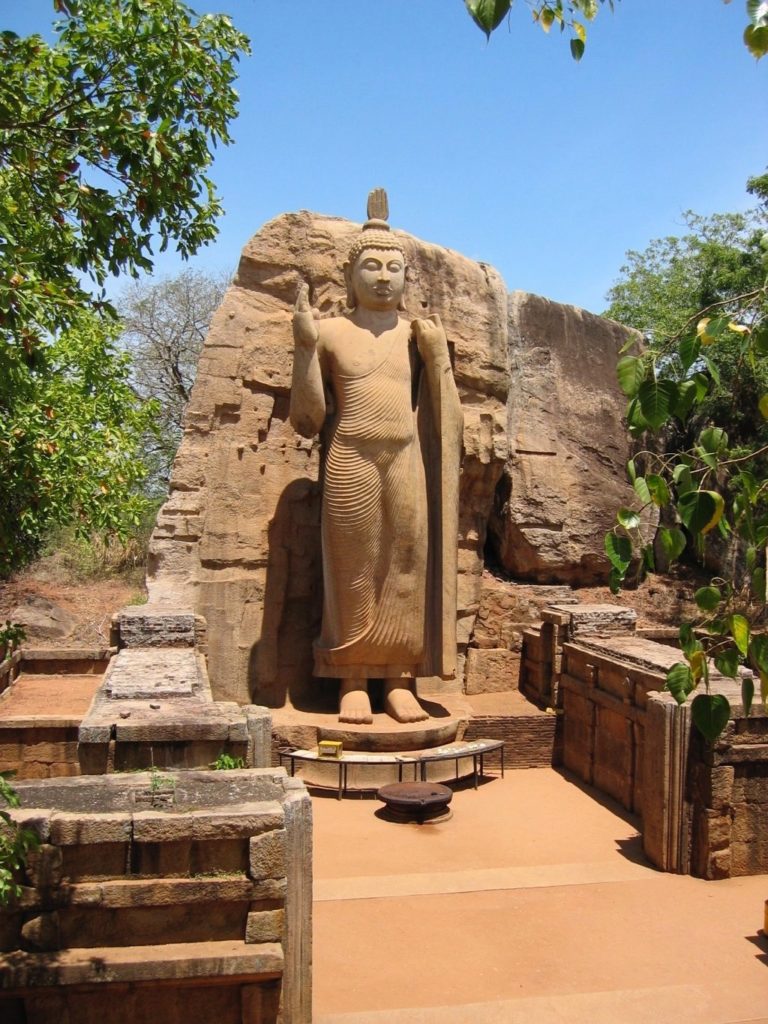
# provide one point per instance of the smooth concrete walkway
(532, 905)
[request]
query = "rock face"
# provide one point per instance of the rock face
(565, 478)
(238, 539)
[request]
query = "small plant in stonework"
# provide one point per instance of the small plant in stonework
(11, 635)
(16, 842)
(161, 786)
(225, 762)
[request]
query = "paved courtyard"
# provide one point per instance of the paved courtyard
(532, 905)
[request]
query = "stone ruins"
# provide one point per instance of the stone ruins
(176, 886)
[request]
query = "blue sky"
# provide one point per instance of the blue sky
(507, 151)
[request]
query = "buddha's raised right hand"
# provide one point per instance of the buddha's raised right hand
(305, 330)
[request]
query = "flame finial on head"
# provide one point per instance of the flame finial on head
(376, 233)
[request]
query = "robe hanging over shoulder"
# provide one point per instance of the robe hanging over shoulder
(388, 540)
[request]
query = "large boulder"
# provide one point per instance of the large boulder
(565, 478)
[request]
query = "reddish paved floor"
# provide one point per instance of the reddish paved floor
(533, 905)
(65, 696)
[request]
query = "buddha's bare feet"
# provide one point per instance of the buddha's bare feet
(354, 702)
(400, 702)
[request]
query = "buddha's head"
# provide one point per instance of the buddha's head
(375, 269)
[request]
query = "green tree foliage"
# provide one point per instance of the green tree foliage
(164, 326)
(573, 15)
(106, 138)
(16, 843)
(698, 396)
(70, 441)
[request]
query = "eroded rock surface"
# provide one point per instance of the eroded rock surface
(568, 448)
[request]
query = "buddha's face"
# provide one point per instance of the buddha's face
(378, 278)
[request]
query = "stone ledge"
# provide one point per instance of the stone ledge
(175, 961)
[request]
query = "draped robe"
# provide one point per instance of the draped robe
(382, 572)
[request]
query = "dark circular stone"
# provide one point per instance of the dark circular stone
(416, 797)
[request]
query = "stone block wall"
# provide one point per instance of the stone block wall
(39, 751)
(728, 793)
(160, 883)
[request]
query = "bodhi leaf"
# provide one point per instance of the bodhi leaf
(656, 398)
(672, 542)
(758, 652)
(747, 694)
(679, 682)
(740, 632)
(627, 518)
(488, 14)
(688, 351)
(701, 511)
(631, 372)
(658, 490)
(713, 440)
(641, 489)
(619, 551)
(710, 713)
(708, 598)
(728, 662)
(762, 405)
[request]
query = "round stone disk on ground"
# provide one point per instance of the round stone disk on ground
(422, 802)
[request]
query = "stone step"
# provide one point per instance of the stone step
(167, 962)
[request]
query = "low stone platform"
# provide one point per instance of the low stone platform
(155, 707)
(449, 716)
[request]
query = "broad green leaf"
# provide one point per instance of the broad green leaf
(698, 661)
(679, 682)
(577, 49)
(728, 662)
(657, 487)
(762, 405)
(672, 542)
(758, 581)
(628, 519)
(656, 398)
(756, 40)
(689, 642)
(631, 471)
(688, 351)
(488, 14)
(631, 371)
(700, 511)
(708, 598)
(687, 395)
(713, 370)
(619, 551)
(740, 632)
(758, 652)
(747, 694)
(547, 18)
(713, 439)
(682, 479)
(710, 713)
(641, 489)
(636, 422)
